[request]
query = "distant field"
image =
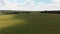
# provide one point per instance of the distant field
(30, 24)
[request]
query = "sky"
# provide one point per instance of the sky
(30, 5)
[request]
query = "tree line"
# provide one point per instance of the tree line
(56, 12)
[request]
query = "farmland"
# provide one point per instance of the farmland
(30, 24)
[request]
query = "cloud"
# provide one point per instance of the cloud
(56, 1)
(30, 5)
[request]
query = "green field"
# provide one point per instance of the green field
(30, 24)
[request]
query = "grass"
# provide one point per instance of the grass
(9, 20)
(30, 24)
